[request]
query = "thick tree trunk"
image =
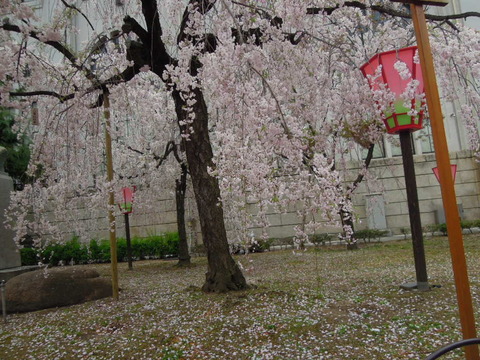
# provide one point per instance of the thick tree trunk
(180, 189)
(223, 273)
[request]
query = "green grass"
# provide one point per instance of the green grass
(323, 304)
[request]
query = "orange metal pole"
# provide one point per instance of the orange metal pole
(457, 250)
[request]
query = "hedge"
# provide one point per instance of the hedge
(98, 251)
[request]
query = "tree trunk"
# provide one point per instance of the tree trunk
(180, 189)
(346, 216)
(223, 273)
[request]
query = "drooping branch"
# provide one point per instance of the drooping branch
(171, 147)
(60, 97)
(79, 11)
(125, 76)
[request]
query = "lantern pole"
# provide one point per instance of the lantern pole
(129, 242)
(414, 214)
(457, 250)
(111, 199)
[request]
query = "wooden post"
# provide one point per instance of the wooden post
(111, 199)
(457, 250)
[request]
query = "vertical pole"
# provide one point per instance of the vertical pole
(414, 211)
(129, 243)
(4, 302)
(111, 199)
(457, 250)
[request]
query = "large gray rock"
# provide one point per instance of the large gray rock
(63, 286)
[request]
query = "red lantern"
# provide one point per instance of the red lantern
(397, 71)
(453, 169)
(127, 205)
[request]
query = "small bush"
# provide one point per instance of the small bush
(321, 239)
(261, 245)
(443, 229)
(431, 228)
(255, 246)
(468, 225)
(369, 234)
(28, 256)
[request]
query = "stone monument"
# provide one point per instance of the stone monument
(9, 254)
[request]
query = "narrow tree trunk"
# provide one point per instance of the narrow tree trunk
(346, 216)
(347, 220)
(180, 189)
(223, 273)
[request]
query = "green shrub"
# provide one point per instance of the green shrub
(260, 245)
(172, 241)
(468, 224)
(431, 228)
(70, 252)
(321, 239)
(442, 228)
(99, 251)
(369, 234)
(28, 256)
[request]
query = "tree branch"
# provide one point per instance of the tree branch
(79, 11)
(62, 98)
(131, 25)
(169, 148)
(200, 6)
(389, 11)
(153, 41)
(360, 176)
(62, 49)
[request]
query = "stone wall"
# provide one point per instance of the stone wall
(380, 203)
(391, 181)
(387, 196)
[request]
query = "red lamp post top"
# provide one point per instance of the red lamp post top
(126, 206)
(398, 71)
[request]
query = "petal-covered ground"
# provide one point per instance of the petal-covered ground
(327, 303)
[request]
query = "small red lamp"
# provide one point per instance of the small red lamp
(127, 208)
(381, 73)
(453, 168)
(127, 205)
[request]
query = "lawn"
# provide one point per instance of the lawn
(328, 303)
